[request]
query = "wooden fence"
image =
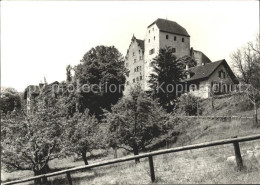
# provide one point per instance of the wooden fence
(217, 117)
(234, 141)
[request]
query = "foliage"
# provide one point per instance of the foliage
(246, 61)
(167, 73)
(102, 73)
(189, 105)
(83, 134)
(68, 73)
(9, 100)
(134, 121)
(30, 142)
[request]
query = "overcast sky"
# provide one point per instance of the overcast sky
(41, 38)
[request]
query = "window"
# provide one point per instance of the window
(139, 51)
(133, 80)
(149, 31)
(175, 38)
(149, 40)
(140, 57)
(182, 39)
(140, 67)
(127, 83)
(154, 38)
(153, 29)
(134, 60)
(137, 79)
(134, 69)
(174, 50)
(126, 64)
(167, 36)
(151, 51)
(133, 53)
(141, 77)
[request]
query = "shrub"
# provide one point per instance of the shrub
(189, 105)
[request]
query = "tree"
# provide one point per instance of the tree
(9, 100)
(246, 61)
(134, 121)
(30, 142)
(189, 105)
(100, 75)
(83, 134)
(167, 74)
(68, 73)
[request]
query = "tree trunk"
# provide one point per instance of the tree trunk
(84, 157)
(37, 181)
(115, 152)
(255, 107)
(136, 152)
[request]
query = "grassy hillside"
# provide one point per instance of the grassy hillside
(198, 166)
(239, 105)
(206, 165)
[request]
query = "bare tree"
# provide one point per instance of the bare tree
(246, 61)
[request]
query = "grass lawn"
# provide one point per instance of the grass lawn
(207, 165)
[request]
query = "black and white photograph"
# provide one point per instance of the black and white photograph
(130, 92)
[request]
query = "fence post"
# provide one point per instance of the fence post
(69, 178)
(238, 156)
(151, 168)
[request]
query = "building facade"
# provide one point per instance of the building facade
(160, 34)
(165, 33)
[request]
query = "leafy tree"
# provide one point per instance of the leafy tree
(100, 75)
(30, 142)
(134, 121)
(167, 73)
(68, 73)
(83, 134)
(9, 100)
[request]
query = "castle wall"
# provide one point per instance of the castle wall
(151, 42)
(135, 64)
(182, 48)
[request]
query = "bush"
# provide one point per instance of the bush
(243, 103)
(189, 105)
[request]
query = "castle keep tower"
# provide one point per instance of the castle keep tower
(160, 34)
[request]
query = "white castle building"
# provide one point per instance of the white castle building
(160, 34)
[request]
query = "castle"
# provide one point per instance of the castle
(165, 33)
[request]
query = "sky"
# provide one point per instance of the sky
(40, 38)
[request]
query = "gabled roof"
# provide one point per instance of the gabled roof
(140, 43)
(170, 27)
(204, 72)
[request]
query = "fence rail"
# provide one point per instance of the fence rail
(234, 141)
(217, 117)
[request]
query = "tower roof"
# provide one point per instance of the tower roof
(170, 27)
